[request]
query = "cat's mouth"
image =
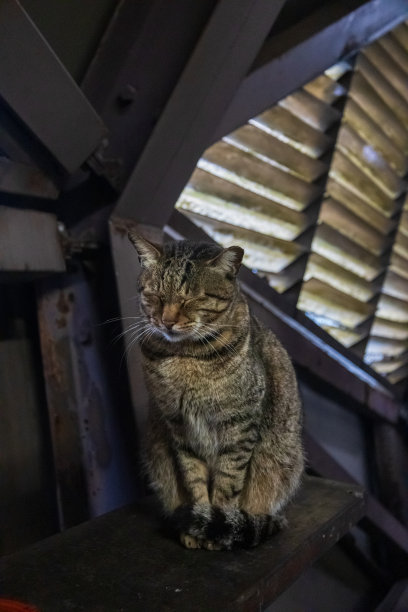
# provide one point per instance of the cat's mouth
(174, 334)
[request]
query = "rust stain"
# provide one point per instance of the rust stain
(53, 370)
(61, 322)
(123, 226)
(96, 424)
(62, 303)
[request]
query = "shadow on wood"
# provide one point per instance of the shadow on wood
(122, 561)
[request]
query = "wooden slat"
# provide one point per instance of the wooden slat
(378, 80)
(346, 337)
(393, 309)
(339, 278)
(258, 177)
(403, 224)
(311, 110)
(363, 124)
(401, 245)
(378, 56)
(399, 265)
(276, 152)
(261, 252)
(395, 50)
(367, 97)
(347, 223)
(293, 57)
(285, 126)
(290, 276)
(389, 329)
(82, 564)
(398, 375)
(337, 248)
(325, 89)
(338, 70)
(284, 217)
(344, 171)
(212, 197)
(401, 34)
(361, 209)
(388, 367)
(370, 161)
(396, 286)
(321, 299)
(29, 242)
(379, 348)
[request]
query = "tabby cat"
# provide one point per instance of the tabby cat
(224, 450)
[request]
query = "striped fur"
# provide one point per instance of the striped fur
(223, 450)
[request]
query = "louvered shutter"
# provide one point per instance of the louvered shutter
(261, 185)
(313, 189)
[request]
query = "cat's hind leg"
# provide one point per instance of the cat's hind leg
(270, 484)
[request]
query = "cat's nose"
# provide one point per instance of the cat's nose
(170, 315)
(168, 324)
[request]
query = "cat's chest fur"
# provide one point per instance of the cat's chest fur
(194, 397)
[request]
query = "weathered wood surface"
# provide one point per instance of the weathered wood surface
(91, 470)
(29, 242)
(222, 57)
(26, 509)
(122, 561)
(378, 521)
(396, 600)
(38, 88)
(306, 49)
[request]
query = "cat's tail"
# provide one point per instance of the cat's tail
(227, 528)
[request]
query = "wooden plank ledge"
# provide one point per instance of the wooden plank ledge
(123, 561)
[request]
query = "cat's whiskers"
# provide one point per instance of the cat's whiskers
(135, 337)
(116, 319)
(132, 328)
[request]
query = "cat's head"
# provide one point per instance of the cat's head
(186, 288)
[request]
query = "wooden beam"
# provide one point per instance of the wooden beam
(24, 179)
(91, 467)
(378, 517)
(39, 90)
(29, 243)
(297, 55)
(128, 83)
(219, 62)
(127, 270)
(27, 511)
(396, 599)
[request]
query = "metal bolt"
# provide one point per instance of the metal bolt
(127, 94)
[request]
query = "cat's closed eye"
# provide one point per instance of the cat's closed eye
(216, 296)
(152, 298)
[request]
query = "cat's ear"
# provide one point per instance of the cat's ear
(148, 253)
(229, 260)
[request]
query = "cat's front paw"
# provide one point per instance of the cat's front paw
(212, 545)
(190, 541)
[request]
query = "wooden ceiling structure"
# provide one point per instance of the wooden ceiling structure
(167, 81)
